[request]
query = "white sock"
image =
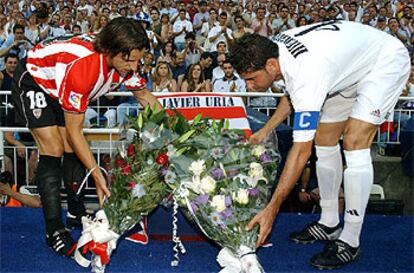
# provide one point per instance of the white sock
(358, 180)
(329, 172)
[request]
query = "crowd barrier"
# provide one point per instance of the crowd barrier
(105, 141)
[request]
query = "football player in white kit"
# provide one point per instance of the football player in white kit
(343, 79)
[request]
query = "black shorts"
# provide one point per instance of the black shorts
(33, 107)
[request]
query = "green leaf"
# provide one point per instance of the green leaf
(140, 121)
(186, 136)
(227, 125)
(197, 119)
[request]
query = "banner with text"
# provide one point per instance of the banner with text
(214, 106)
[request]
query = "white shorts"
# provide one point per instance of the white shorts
(373, 98)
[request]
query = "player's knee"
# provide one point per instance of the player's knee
(355, 141)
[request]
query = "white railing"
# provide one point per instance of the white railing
(113, 139)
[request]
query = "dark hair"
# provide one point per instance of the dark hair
(190, 79)
(173, 48)
(223, 13)
(153, 8)
(121, 35)
(18, 26)
(238, 17)
(251, 52)
(6, 177)
(206, 55)
(8, 56)
(227, 61)
(77, 26)
(42, 13)
(190, 35)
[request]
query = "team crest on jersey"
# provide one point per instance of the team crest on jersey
(37, 113)
(75, 100)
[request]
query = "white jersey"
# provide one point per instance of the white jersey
(321, 60)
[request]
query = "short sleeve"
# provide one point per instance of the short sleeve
(310, 88)
(80, 78)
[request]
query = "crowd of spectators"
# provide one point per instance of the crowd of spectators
(189, 39)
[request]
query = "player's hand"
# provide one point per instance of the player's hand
(101, 188)
(259, 136)
(265, 219)
(304, 197)
(5, 189)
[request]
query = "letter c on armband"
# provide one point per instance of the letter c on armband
(307, 120)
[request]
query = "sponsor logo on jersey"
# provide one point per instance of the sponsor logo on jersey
(75, 100)
(37, 113)
(306, 120)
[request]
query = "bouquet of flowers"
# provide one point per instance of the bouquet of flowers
(222, 182)
(137, 187)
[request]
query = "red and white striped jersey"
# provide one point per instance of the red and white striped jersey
(70, 71)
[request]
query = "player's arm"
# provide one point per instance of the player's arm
(74, 132)
(145, 97)
(283, 110)
(26, 200)
(74, 103)
(137, 86)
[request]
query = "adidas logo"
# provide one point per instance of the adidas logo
(352, 212)
(341, 248)
(376, 113)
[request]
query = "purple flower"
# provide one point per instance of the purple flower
(217, 220)
(201, 199)
(227, 201)
(254, 192)
(265, 158)
(217, 173)
(164, 171)
(226, 214)
(194, 206)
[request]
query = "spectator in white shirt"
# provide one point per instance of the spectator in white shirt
(206, 27)
(230, 82)
(84, 6)
(220, 33)
(180, 28)
(218, 72)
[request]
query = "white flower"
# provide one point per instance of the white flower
(256, 170)
(138, 191)
(170, 177)
(197, 167)
(195, 184)
(258, 150)
(148, 137)
(219, 202)
(172, 151)
(242, 196)
(208, 184)
(217, 152)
